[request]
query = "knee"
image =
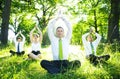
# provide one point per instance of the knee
(77, 63)
(42, 62)
(23, 52)
(10, 51)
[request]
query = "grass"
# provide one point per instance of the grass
(18, 68)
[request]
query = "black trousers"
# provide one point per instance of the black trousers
(59, 66)
(17, 53)
(96, 59)
(36, 52)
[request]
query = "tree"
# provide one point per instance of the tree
(113, 21)
(89, 13)
(47, 9)
(40, 10)
(1, 9)
(5, 22)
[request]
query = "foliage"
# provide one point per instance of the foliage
(84, 16)
(82, 13)
(26, 26)
(78, 31)
(19, 68)
(38, 11)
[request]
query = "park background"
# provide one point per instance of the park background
(22, 15)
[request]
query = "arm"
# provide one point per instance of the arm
(69, 32)
(98, 38)
(16, 36)
(31, 34)
(22, 37)
(40, 34)
(84, 38)
(50, 28)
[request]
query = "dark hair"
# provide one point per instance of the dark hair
(59, 27)
(19, 37)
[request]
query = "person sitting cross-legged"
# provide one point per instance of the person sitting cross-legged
(90, 47)
(19, 45)
(60, 49)
(36, 40)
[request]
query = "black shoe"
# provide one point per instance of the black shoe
(12, 53)
(92, 58)
(104, 58)
(95, 62)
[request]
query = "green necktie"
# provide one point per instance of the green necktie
(60, 50)
(92, 48)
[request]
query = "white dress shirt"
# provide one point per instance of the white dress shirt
(87, 45)
(55, 41)
(21, 44)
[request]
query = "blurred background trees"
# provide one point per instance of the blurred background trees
(104, 15)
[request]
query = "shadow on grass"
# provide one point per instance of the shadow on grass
(112, 69)
(67, 75)
(70, 74)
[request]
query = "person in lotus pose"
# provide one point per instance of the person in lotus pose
(60, 48)
(90, 47)
(19, 44)
(36, 40)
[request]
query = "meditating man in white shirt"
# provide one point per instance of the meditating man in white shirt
(60, 48)
(90, 47)
(19, 44)
(36, 40)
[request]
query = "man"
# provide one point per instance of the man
(60, 46)
(19, 43)
(90, 46)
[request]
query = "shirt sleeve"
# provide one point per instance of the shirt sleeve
(85, 43)
(15, 38)
(23, 38)
(69, 32)
(84, 38)
(98, 39)
(50, 29)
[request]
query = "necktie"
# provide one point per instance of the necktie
(60, 50)
(18, 47)
(92, 48)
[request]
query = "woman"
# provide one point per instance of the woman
(36, 40)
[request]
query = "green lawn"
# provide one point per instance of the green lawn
(19, 68)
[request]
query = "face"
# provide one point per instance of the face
(89, 38)
(19, 40)
(60, 32)
(35, 37)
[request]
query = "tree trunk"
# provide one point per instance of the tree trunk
(113, 21)
(5, 22)
(95, 21)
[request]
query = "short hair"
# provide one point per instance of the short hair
(19, 37)
(59, 27)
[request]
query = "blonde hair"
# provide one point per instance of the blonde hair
(35, 34)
